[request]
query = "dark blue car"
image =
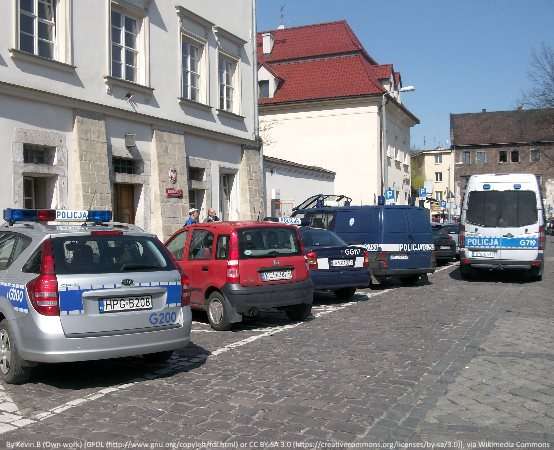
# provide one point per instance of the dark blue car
(399, 239)
(334, 265)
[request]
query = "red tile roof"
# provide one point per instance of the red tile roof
(321, 61)
(337, 77)
(311, 41)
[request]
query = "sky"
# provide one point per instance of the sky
(461, 55)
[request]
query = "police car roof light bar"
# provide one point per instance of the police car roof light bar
(99, 216)
(12, 215)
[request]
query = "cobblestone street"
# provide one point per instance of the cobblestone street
(443, 362)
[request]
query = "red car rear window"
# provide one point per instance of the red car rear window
(267, 242)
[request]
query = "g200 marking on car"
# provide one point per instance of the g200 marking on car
(163, 318)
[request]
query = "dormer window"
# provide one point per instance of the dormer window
(263, 89)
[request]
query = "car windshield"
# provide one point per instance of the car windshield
(320, 238)
(109, 254)
(267, 242)
(502, 208)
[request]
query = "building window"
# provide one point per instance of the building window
(125, 30)
(38, 154)
(466, 157)
(227, 81)
(438, 176)
(37, 27)
(438, 196)
(502, 156)
(124, 165)
(535, 155)
(192, 55)
(196, 173)
(438, 159)
(37, 192)
(514, 156)
(480, 157)
(263, 88)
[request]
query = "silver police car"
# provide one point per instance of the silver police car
(89, 291)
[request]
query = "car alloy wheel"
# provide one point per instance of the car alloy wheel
(5, 352)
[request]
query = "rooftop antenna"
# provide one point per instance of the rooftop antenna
(282, 17)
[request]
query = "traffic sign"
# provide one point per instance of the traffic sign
(389, 194)
(443, 204)
(422, 192)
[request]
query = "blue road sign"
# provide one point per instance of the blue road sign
(389, 194)
(443, 204)
(422, 192)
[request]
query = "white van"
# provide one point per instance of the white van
(502, 225)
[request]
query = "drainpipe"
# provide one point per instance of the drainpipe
(383, 123)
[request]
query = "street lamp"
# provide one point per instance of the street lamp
(385, 98)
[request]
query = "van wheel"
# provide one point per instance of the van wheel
(299, 313)
(345, 293)
(218, 312)
(12, 369)
(411, 280)
(467, 273)
(159, 357)
(534, 274)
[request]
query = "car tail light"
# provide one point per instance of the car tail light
(233, 272)
(43, 290)
(462, 236)
(542, 238)
(185, 288)
(383, 260)
(311, 260)
(366, 258)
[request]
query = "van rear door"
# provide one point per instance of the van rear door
(503, 222)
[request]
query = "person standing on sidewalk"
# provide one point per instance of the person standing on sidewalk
(212, 216)
(193, 217)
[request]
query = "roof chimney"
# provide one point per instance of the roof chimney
(484, 110)
(267, 43)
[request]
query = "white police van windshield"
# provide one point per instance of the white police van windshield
(493, 209)
(104, 254)
(321, 238)
(267, 242)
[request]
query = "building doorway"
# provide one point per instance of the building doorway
(226, 189)
(38, 192)
(124, 203)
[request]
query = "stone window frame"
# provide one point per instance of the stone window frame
(477, 154)
(500, 153)
(63, 42)
(512, 153)
(227, 59)
(535, 151)
(57, 169)
(140, 14)
(438, 158)
(468, 154)
(438, 177)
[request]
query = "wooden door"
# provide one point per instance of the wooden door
(124, 203)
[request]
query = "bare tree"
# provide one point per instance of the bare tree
(541, 75)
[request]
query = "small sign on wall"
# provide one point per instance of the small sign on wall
(173, 193)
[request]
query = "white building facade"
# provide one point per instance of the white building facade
(327, 103)
(144, 107)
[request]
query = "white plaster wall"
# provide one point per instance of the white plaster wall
(343, 139)
(14, 114)
(294, 185)
(90, 50)
(398, 170)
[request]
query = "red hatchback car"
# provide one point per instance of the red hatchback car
(240, 268)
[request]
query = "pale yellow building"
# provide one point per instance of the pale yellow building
(435, 170)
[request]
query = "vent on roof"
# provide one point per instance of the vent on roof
(267, 43)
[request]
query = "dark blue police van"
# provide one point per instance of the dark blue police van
(399, 239)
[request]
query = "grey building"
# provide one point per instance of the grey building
(146, 107)
(520, 141)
